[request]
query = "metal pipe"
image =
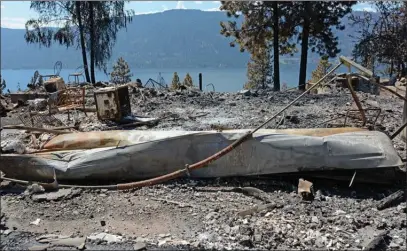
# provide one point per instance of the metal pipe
(348, 62)
(398, 131)
(33, 129)
(356, 99)
(302, 95)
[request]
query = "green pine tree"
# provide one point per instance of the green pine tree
(175, 82)
(121, 72)
(322, 69)
(188, 81)
(260, 69)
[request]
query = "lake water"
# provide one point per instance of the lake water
(224, 80)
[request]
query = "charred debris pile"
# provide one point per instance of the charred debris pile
(67, 142)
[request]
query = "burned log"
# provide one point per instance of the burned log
(392, 200)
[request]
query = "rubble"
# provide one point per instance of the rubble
(38, 104)
(139, 246)
(12, 146)
(36, 222)
(204, 214)
(109, 238)
(63, 193)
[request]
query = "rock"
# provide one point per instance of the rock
(109, 238)
(245, 92)
(162, 242)
(205, 237)
(314, 219)
(211, 215)
(60, 240)
(139, 246)
(232, 103)
(180, 242)
(103, 223)
(393, 245)
(34, 189)
(257, 237)
(12, 146)
(6, 232)
(246, 241)
(53, 196)
(164, 235)
(398, 240)
(234, 230)
(339, 212)
(38, 247)
(141, 239)
(227, 229)
(36, 222)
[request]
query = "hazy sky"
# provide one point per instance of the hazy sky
(14, 14)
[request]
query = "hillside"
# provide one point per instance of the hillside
(171, 39)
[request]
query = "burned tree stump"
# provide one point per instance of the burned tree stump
(392, 200)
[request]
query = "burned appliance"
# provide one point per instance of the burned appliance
(112, 103)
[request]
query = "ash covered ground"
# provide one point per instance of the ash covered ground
(203, 214)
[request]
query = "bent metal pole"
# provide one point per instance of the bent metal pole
(200, 164)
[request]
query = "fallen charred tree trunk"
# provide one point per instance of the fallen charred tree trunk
(392, 200)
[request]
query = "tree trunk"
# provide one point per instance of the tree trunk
(82, 38)
(391, 68)
(304, 49)
(92, 42)
(404, 132)
(304, 56)
(276, 47)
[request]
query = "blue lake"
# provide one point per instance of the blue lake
(224, 80)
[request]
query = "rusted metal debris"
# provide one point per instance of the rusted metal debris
(373, 121)
(399, 130)
(305, 189)
(67, 99)
(54, 84)
(39, 120)
(34, 129)
(113, 103)
(356, 99)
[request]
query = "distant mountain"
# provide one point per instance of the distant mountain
(171, 39)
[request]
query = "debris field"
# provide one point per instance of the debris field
(251, 213)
